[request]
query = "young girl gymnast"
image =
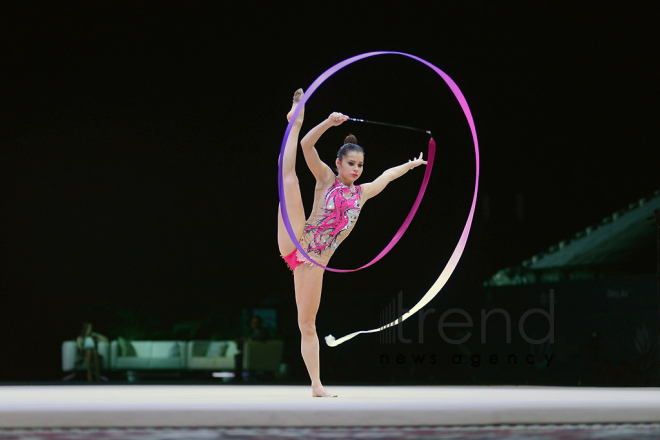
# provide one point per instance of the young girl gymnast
(337, 205)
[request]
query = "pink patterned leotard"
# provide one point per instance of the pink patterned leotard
(334, 214)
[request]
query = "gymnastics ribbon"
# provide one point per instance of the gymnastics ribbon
(460, 246)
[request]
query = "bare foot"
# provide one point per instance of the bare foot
(296, 99)
(322, 392)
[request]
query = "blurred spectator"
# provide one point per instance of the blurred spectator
(88, 342)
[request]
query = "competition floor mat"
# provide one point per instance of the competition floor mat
(225, 406)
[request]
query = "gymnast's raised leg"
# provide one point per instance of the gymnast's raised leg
(307, 279)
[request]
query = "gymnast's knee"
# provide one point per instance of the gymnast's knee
(307, 328)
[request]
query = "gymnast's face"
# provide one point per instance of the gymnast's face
(350, 167)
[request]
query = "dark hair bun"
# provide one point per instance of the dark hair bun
(350, 139)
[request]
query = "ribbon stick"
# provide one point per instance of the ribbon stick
(392, 125)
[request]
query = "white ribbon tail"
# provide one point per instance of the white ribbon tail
(332, 342)
(431, 293)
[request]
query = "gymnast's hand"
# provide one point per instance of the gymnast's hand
(337, 118)
(417, 161)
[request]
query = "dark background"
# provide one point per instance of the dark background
(139, 145)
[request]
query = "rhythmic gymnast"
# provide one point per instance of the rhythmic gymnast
(337, 204)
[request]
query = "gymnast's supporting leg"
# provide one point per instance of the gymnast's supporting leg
(308, 281)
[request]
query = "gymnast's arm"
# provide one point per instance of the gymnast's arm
(321, 171)
(374, 188)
